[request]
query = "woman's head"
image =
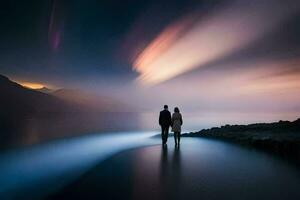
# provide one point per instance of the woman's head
(176, 109)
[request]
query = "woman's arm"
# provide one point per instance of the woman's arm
(181, 121)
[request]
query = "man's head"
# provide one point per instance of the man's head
(166, 107)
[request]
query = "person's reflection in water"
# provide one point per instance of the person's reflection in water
(164, 161)
(170, 174)
(163, 175)
(175, 179)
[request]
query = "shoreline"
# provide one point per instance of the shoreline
(279, 138)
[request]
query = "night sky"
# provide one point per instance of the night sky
(53, 40)
(203, 55)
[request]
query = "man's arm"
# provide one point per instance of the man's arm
(170, 119)
(159, 121)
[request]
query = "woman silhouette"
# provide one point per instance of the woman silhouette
(176, 125)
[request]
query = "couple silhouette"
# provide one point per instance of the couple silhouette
(166, 120)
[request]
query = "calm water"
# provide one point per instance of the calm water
(20, 131)
(135, 166)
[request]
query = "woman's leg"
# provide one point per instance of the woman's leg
(175, 137)
(178, 137)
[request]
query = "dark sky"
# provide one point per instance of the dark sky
(62, 39)
(224, 54)
(68, 39)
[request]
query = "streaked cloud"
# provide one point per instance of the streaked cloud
(56, 25)
(182, 47)
(257, 86)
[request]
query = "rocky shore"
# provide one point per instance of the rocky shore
(281, 138)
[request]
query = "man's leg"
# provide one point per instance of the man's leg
(162, 135)
(166, 133)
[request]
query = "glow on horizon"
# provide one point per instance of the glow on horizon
(182, 47)
(31, 85)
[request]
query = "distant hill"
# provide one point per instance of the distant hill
(18, 100)
(45, 90)
(30, 116)
(19, 104)
(279, 131)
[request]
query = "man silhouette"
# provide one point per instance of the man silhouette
(165, 123)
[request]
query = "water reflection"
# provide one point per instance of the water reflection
(27, 130)
(170, 173)
(199, 169)
(43, 169)
(164, 172)
(176, 177)
(206, 169)
(164, 161)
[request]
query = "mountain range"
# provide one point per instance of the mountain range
(18, 100)
(30, 116)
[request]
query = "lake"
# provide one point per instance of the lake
(22, 131)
